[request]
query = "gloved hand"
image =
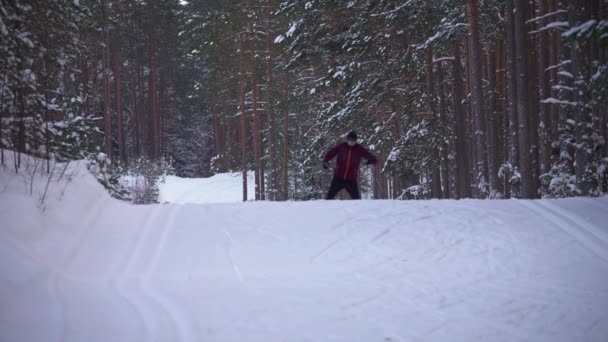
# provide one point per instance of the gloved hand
(326, 165)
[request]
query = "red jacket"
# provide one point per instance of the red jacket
(347, 164)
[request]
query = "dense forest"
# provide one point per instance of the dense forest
(458, 99)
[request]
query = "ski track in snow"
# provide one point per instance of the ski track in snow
(94, 213)
(178, 320)
(140, 298)
(572, 226)
(336, 271)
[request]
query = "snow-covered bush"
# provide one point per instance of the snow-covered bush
(420, 191)
(108, 175)
(559, 185)
(141, 179)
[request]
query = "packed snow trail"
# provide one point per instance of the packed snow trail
(91, 268)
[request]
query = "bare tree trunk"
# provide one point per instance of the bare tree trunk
(582, 115)
(286, 155)
(492, 136)
(430, 85)
(545, 92)
(47, 118)
(4, 71)
(217, 130)
(106, 86)
(444, 147)
(243, 117)
(477, 98)
(470, 122)
(463, 180)
(256, 120)
(523, 99)
(554, 110)
(397, 182)
(134, 113)
(118, 99)
(511, 69)
(274, 177)
(154, 138)
(502, 128)
(143, 123)
(534, 100)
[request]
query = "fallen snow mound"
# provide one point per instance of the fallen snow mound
(91, 268)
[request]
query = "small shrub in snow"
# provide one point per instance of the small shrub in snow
(108, 175)
(420, 191)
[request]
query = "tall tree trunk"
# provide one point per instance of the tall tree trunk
(217, 130)
(47, 118)
(502, 128)
(582, 114)
(444, 147)
(477, 98)
(523, 98)
(4, 72)
(243, 117)
(554, 55)
(153, 98)
(118, 99)
(545, 91)
(463, 172)
(511, 69)
(492, 141)
(134, 115)
(470, 122)
(274, 177)
(286, 155)
(143, 123)
(430, 84)
(534, 100)
(162, 109)
(257, 155)
(106, 86)
(397, 181)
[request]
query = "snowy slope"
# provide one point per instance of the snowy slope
(94, 269)
(220, 188)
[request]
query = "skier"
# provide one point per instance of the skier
(349, 156)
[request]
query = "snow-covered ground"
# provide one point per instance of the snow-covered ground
(221, 188)
(91, 268)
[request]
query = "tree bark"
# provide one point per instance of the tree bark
(491, 123)
(477, 99)
(511, 70)
(534, 100)
(143, 123)
(545, 91)
(134, 115)
(463, 180)
(435, 171)
(444, 147)
(274, 177)
(153, 97)
(118, 99)
(256, 120)
(523, 99)
(243, 117)
(582, 115)
(106, 87)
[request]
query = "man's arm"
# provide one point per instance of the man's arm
(371, 159)
(331, 154)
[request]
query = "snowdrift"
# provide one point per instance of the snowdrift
(91, 268)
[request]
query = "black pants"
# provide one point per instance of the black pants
(338, 184)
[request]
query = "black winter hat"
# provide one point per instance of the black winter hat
(352, 135)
